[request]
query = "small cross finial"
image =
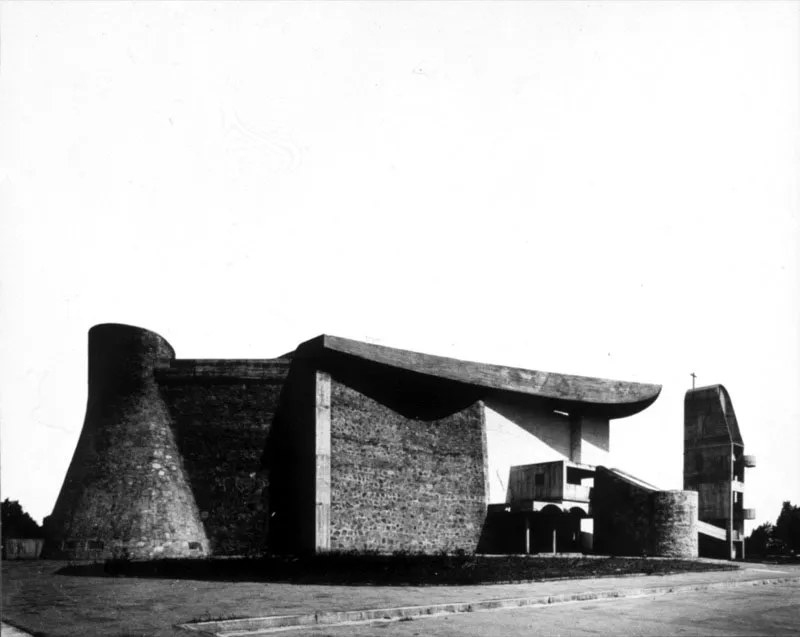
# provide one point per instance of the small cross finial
(694, 377)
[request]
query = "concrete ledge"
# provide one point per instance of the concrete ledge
(261, 625)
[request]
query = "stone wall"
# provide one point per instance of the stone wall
(399, 483)
(633, 519)
(221, 420)
(290, 460)
(621, 512)
(168, 461)
(674, 527)
(126, 491)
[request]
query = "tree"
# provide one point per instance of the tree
(16, 523)
(759, 539)
(787, 528)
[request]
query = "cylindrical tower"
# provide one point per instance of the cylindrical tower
(674, 530)
(126, 491)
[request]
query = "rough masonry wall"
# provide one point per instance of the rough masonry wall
(221, 425)
(126, 490)
(404, 484)
(674, 528)
(622, 515)
(633, 519)
(290, 460)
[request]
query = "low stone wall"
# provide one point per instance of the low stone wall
(621, 512)
(631, 519)
(22, 549)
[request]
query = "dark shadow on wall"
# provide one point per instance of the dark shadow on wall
(505, 531)
(220, 430)
(598, 437)
(410, 394)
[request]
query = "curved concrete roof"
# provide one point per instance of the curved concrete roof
(612, 398)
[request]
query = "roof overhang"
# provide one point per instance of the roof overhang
(457, 382)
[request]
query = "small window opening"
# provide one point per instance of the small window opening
(538, 479)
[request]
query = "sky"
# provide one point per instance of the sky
(603, 189)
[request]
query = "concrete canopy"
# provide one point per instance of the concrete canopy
(457, 383)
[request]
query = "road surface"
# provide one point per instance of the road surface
(772, 610)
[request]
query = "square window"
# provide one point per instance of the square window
(538, 479)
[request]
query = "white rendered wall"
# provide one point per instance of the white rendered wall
(517, 435)
(595, 441)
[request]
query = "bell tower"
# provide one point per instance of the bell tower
(714, 465)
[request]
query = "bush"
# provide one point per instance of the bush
(759, 540)
(787, 528)
(405, 569)
(16, 523)
(782, 538)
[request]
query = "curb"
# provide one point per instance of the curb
(274, 623)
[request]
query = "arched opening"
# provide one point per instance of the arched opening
(569, 540)
(545, 529)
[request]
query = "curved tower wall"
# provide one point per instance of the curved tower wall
(632, 517)
(674, 527)
(126, 490)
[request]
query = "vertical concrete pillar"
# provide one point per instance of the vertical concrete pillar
(731, 508)
(322, 452)
(575, 437)
(527, 534)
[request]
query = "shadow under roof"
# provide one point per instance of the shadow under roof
(600, 396)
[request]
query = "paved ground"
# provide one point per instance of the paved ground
(37, 599)
(755, 610)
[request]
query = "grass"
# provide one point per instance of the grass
(400, 569)
(56, 599)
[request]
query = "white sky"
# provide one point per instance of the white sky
(599, 189)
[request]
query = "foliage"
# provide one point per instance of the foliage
(759, 539)
(16, 523)
(400, 569)
(787, 528)
(779, 539)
